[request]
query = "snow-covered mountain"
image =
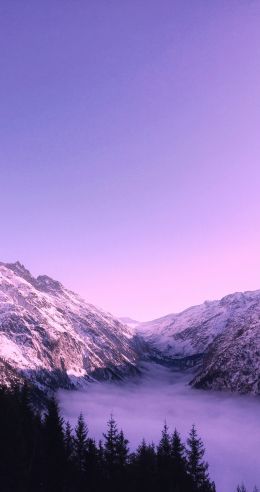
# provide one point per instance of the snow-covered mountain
(131, 323)
(221, 337)
(53, 337)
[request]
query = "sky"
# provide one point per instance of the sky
(129, 148)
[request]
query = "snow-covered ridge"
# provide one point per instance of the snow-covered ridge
(56, 339)
(51, 335)
(224, 336)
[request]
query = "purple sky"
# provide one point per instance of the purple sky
(129, 156)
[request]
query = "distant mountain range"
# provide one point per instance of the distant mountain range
(55, 339)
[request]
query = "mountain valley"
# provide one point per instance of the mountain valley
(54, 339)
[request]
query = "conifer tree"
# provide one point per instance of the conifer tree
(179, 462)
(110, 444)
(69, 456)
(54, 451)
(80, 444)
(122, 450)
(122, 459)
(68, 442)
(164, 460)
(111, 454)
(93, 477)
(197, 467)
(144, 470)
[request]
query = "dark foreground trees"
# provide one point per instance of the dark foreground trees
(44, 454)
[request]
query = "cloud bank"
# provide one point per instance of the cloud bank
(228, 424)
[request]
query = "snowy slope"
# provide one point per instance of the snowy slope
(224, 336)
(131, 323)
(51, 335)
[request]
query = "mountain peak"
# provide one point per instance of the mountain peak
(42, 282)
(19, 269)
(17, 265)
(55, 339)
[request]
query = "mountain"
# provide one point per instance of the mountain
(131, 323)
(52, 337)
(220, 338)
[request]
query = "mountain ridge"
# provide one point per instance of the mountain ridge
(47, 332)
(52, 337)
(221, 337)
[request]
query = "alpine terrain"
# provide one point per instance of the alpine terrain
(52, 337)
(221, 339)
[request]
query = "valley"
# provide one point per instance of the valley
(200, 366)
(227, 423)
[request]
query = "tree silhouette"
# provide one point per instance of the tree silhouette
(54, 454)
(80, 451)
(164, 460)
(197, 467)
(44, 455)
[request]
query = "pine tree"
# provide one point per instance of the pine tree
(110, 444)
(144, 469)
(111, 453)
(69, 457)
(101, 466)
(68, 442)
(93, 478)
(32, 438)
(80, 444)
(122, 450)
(179, 462)
(53, 476)
(197, 467)
(101, 454)
(122, 460)
(164, 460)
(164, 447)
(178, 450)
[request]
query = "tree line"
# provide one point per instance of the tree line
(39, 452)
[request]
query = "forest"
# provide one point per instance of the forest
(41, 452)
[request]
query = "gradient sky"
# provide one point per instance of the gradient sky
(130, 148)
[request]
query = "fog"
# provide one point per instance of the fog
(228, 424)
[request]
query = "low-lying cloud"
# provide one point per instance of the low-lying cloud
(228, 424)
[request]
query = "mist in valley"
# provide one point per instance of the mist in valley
(228, 424)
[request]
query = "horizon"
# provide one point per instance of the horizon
(131, 318)
(130, 149)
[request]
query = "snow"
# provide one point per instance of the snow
(45, 326)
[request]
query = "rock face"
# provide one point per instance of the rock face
(51, 336)
(221, 338)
